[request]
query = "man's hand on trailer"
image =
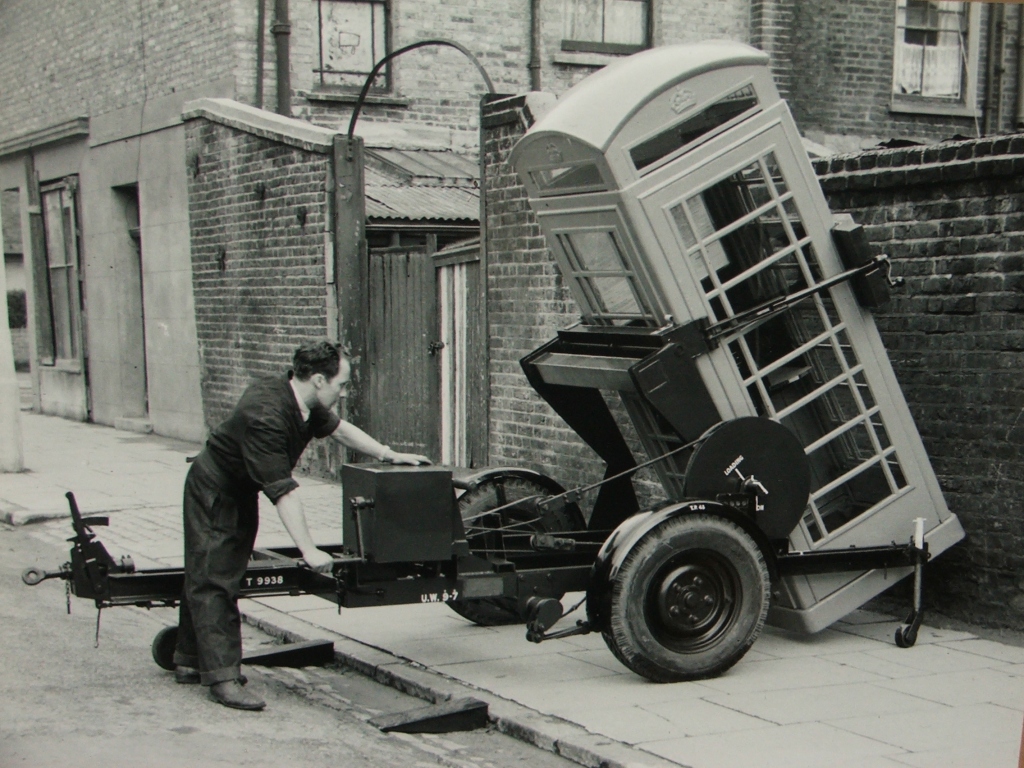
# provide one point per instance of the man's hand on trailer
(353, 437)
(289, 507)
(318, 560)
(415, 459)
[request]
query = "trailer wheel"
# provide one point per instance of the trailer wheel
(689, 600)
(487, 540)
(163, 647)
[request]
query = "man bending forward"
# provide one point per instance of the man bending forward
(255, 449)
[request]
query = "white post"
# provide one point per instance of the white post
(12, 457)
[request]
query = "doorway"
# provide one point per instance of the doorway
(132, 328)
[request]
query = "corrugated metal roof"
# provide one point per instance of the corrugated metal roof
(417, 203)
(421, 185)
(425, 165)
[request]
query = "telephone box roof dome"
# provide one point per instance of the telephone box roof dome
(595, 109)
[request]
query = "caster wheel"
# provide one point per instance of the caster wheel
(906, 637)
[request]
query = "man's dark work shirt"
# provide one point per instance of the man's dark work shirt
(258, 445)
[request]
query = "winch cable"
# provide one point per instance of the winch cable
(572, 494)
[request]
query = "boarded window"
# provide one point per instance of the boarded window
(605, 26)
(353, 38)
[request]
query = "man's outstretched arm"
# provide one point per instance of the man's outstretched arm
(353, 437)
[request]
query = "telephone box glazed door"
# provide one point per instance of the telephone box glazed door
(746, 223)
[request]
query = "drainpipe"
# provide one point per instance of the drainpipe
(1020, 67)
(282, 30)
(1000, 69)
(994, 69)
(535, 44)
(261, 23)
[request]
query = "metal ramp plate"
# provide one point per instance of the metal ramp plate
(464, 714)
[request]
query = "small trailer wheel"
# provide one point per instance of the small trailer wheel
(689, 600)
(487, 537)
(163, 647)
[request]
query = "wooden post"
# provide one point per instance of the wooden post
(351, 268)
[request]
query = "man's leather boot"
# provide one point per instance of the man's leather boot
(230, 693)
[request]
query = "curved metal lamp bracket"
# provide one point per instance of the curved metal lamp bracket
(394, 54)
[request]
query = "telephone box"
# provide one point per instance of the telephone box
(675, 194)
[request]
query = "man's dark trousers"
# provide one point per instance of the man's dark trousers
(220, 531)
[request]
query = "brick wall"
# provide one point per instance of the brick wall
(952, 219)
(257, 214)
(103, 55)
(842, 73)
(771, 30)
(61, 59)
(527, 303)
(443, 89)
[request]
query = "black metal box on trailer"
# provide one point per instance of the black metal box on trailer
(408, 513)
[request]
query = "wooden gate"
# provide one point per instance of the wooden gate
(402, 380)
(462, 361)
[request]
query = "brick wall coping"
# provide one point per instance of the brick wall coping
(951, 161)
(260, 122)
(504, 109)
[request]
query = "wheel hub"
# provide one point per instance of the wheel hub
(690, 599)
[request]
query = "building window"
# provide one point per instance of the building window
(354, 36)
(935, 59)
(605, 26)
(61, 340)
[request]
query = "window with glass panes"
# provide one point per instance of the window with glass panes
(931, 54)
(747, 244)
(61, 234)
(607, 286)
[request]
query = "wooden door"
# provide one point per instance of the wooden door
(402, 360)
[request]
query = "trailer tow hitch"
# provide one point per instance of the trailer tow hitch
(90, 564)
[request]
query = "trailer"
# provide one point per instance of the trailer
(726, 315)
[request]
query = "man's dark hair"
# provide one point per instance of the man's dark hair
(317, 357)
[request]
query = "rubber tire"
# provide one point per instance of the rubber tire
(500, 611)
(163, 647)
(640, 638)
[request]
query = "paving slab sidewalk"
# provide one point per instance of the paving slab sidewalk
(844, 697)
